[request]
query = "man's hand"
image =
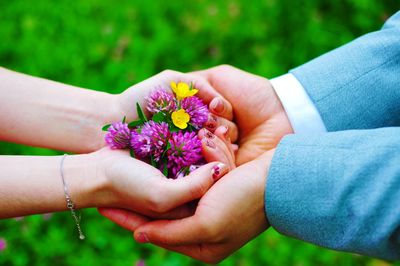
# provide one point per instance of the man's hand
(229, 215)
(258, 112)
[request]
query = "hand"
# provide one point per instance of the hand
(259, 114)
(135, 185)
(131, 184)
(124, 103)
(229, 215)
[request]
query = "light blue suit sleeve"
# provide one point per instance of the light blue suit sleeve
(339, 190)
(357, 86)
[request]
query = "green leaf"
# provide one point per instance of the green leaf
(123, 120)
(135, 123)
(153, 163)
(132, 154)
(173, 128)
(159, 117)
(165, 170)
(168, 146)
(140, 113)
(166, 149)
(191, 128)
(105, 128)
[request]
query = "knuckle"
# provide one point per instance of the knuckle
(166, 71)
(169, 72)
(225, 68)
(200, 81)
(215, 232)
(156, 201)
(198, 189)
(209, 230)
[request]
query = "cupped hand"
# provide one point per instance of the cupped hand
(131, 184)
(229, 215)
(124, 104)
(258, 112)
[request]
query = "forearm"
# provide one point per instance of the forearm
(45, 113)
(33, 184)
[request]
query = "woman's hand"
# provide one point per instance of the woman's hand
(131, 184)
(107, 178)
(137, 186)
(70, 118)
(124, 103)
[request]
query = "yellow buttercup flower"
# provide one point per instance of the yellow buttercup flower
(180, 118)
(182, 90)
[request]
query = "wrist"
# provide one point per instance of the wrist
(83, 180)
(280, 113)
(266, 158)
(265, 161)
(103, 111)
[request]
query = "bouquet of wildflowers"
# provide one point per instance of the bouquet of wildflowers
(168, 139)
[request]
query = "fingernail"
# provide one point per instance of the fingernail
(212, 118)
(210, 144)
(225, 130)
(217, 105)
(208, 134)
(219, 170)
(142, 238)
(211, 126)
(212, 122)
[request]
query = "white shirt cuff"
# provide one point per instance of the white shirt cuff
(301, 111)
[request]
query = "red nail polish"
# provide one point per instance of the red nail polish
(211, 126)
(209, 135)
(218, 170)
(212, 122)
(212, 118)
(210, 144)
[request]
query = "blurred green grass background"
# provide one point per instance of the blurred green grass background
(110, 45)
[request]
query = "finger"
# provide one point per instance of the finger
(126, 219)
(180, 212)
(216, 149)
(123, 216)
(205, 252)
(235, 148)
(206, 91)
(214, 122)
(220, 107)
(213, 152)
(193, 251)
(173, 233)
(222, 134)
(193, 186)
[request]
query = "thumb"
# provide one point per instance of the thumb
(193, 186)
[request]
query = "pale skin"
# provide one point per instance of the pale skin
(68, 118)
(49, 114)
(231, 213)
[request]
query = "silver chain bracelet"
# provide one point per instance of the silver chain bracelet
(70, 203)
